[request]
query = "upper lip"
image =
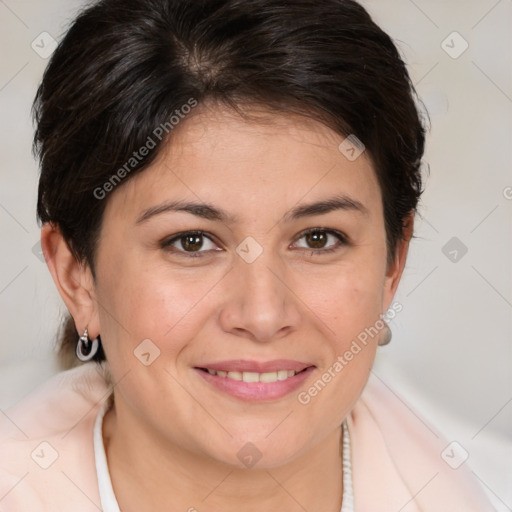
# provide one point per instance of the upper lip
(244, 365)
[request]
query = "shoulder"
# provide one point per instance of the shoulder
(397, 458)
(46, 443)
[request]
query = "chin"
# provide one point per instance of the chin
(259, 453)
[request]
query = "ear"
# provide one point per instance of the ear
(73, 280)
(396, 267)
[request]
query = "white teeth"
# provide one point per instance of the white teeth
(268, 377)
(282, 374)
(254, 376)
(250, 377)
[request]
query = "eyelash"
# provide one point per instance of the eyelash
(342, 240)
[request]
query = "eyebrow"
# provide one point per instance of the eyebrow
(210, 212)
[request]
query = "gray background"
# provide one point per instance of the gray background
(451, 354)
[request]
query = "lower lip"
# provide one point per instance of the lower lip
(256, 391)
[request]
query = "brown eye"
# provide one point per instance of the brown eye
(189, 243)
(316, 239)
(321, 240)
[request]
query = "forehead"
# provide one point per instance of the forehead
(270, 161)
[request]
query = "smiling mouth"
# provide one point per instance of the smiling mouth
(253, 377)
(239, 378)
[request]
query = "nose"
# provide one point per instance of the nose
(261, 303)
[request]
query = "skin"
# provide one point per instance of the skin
(172, 438)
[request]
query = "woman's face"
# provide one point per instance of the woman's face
(248, 292)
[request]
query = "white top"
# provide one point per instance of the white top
(108, 498)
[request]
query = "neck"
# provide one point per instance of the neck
(193, 482)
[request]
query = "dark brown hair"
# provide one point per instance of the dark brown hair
(125, 67)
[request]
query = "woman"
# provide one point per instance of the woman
(227, 195)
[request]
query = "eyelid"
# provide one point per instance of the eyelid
(343, 238)
(166, 243)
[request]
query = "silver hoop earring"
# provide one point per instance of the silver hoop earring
(386, 335)
(85, 348)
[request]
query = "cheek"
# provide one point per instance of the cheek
(347, 306)
(141, 300)
(346, 298)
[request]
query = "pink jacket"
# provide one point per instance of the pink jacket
(47, 457)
